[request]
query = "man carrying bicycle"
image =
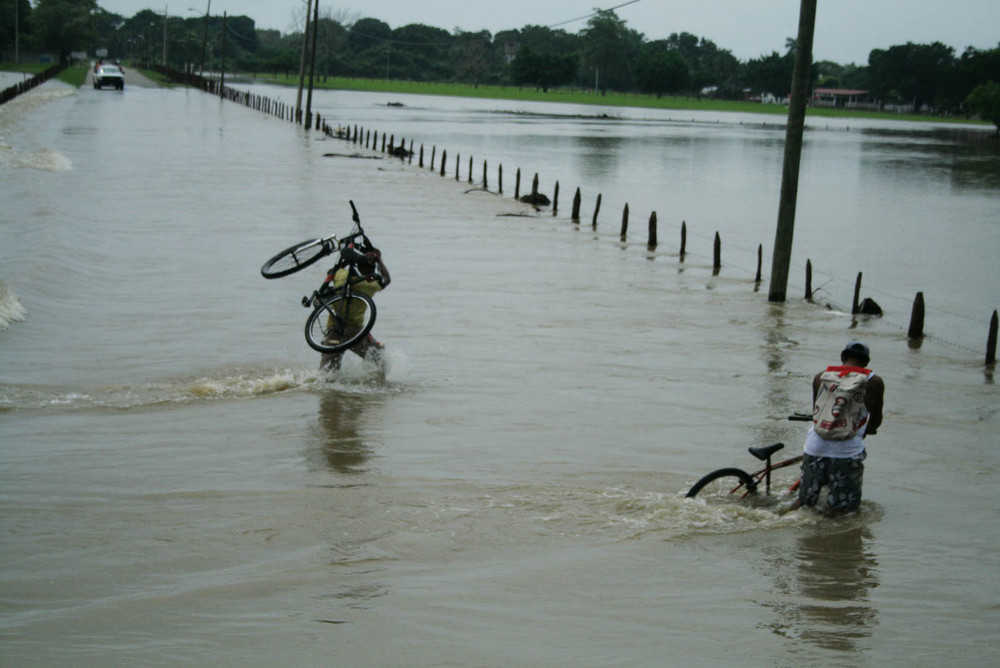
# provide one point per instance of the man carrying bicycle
(847, 407)
(376, 278)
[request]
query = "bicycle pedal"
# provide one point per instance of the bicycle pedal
(306, 302)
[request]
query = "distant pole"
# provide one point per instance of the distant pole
(302, 63)
(164, 61)
(793, 153)
(204, 40)
(222, 73)
(312, 63)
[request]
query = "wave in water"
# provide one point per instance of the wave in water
(11, 310)
(219, 385)
(42, 159)
(16, 111)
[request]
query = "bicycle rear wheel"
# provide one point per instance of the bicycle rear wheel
(724, 482)
(297, 257)
(339, 323)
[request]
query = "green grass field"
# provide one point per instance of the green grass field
(576, 96)
(77, 74)
(74, 76)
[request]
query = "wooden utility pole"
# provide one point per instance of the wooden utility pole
(222, 73)
(312, 65)
(204, 40)
(793, 151)
(302, 62)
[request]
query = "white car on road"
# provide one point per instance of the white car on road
(109, 75)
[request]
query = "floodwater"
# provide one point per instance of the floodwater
(180, 486)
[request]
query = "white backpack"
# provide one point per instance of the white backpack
(840, 410)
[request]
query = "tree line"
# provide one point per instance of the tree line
(606, 55)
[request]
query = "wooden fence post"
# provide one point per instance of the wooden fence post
(433, 152)
(597, 209)
(760, 259)
(421, 156)
(809, 280)
(576, 206)
(486, 185)
(444, 160)
(555, 200)
(856, 304)
(684, 239)
(517, 184)
(500, 178)
(624, 230)
(470, 169)
(652, 243)
(991, 341)
(916, 330)
(717, 254)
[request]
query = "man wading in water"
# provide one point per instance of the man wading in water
(847, 407)
(377, 278)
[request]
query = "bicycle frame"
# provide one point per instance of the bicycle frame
(765, 473)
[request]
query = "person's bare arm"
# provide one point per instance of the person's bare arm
(874, 396)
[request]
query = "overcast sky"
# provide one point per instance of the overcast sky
(846, 30)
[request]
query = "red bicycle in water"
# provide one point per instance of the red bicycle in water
(738, 484)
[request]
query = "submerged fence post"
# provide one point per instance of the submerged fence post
(470, 169)
(652, 242)
(991, 341)
(444, 160)
(517, 184)
(624, 229)
(717, 254)
(421, 164)
(916, 330)
(486, 185)
(809, 280)
(684, 239)
(500, 178)
(855, 305)
(760, 259)
(576, 206)
(433, 152)
(597, 209)
(458, 165)
(555, 200)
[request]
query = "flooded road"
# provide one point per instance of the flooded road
(180, 485)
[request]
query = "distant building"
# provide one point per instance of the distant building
(841, 97)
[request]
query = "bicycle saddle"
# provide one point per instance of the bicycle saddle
(766, 452)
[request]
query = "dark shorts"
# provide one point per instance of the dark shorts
(842, 477)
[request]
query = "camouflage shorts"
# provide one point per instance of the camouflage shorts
(841, 476)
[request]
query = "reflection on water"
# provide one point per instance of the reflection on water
(342, 445)
(828, 582)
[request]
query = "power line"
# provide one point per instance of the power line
(593, 14)
(596, 12)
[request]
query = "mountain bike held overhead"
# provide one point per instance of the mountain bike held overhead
(343, 309)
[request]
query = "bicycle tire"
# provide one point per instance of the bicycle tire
(294, 258)
(740, 478)
(327, 330)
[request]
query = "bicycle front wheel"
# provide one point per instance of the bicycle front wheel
(297, 257)
(341, 322)
(724, 482)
